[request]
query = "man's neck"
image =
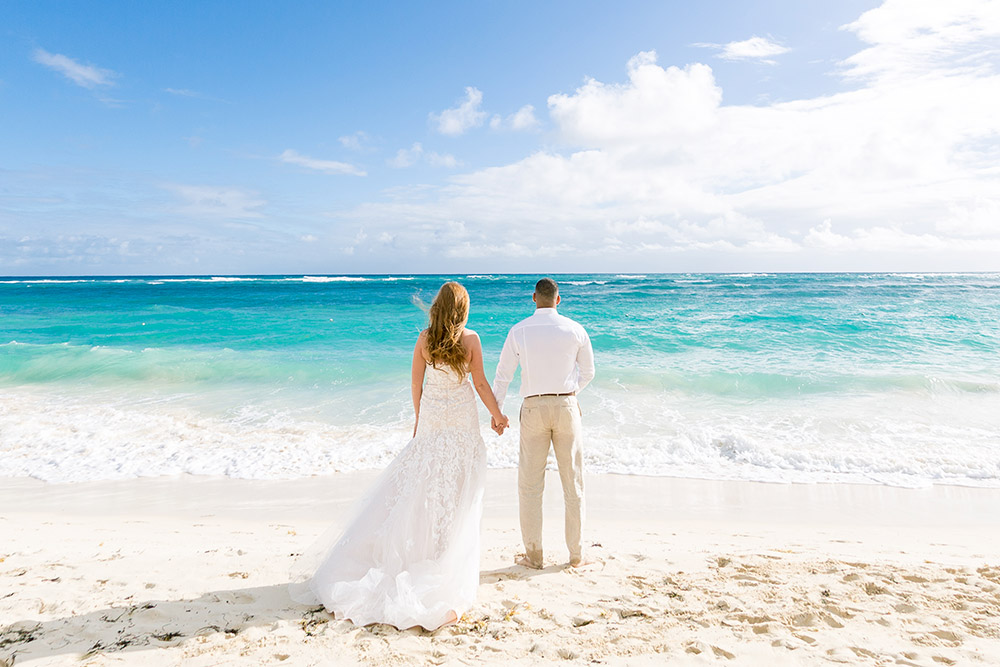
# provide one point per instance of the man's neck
(538, 308)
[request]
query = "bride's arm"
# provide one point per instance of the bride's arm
(417, 371)
(480, 382)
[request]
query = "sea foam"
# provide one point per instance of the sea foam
(874, 378)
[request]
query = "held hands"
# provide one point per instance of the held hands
(501, 425)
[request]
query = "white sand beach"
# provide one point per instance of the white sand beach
(192, 571)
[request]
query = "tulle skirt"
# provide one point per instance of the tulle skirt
(410, 555)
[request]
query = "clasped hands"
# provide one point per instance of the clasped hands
(499, 426)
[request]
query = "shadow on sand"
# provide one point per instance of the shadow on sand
(150, 624)
(155, 624)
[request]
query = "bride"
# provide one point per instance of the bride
(410, 556)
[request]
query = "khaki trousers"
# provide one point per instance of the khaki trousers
(555, 421)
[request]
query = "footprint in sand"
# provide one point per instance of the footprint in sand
(698, 648)
(863, 652)
(837, 611)
(804, 620)
(937, 638)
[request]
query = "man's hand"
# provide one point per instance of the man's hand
(499, 426)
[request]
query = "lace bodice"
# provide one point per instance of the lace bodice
(445, 403)
(443, 376)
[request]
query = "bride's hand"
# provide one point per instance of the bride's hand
(501, 425)
(415, 429)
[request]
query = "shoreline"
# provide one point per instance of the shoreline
(338, 491)
(193, 571)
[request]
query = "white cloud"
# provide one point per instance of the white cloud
(309, 238)
(910, 38)
(655, 105)
(357, 141)
(206, 201)
(88, 76)
(520, 120)
(464, 117)
(755, 48)
(658, 165)
(978, 217)
(326, 166)
(407, 157)
(442, 160)
(882, 239)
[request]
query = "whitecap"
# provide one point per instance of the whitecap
(41, 281)
(333, 279)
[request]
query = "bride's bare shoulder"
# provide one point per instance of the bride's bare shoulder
(422, 345)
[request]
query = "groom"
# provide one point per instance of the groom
(556, 362)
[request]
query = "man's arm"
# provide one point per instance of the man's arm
(585, 362)
(505, 369)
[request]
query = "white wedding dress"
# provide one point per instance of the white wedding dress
(410, 555)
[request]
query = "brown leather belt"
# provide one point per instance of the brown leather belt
(572, 393)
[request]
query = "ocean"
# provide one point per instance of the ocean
(861, 378)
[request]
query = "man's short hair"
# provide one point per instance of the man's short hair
(547, 289)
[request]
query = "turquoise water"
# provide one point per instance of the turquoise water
(885, 378)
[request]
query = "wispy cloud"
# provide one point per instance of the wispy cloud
(407, 157)
(226, 203)
(326, 166)
(909, 38)
(87, 76)
(465, 116)
(442, 160)
(520, 120)
(357, 141)
(184, 92)
(757, 48)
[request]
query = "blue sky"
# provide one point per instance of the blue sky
(308, 137)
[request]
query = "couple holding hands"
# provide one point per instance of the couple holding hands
(410, 555)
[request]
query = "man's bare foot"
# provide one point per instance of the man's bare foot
(524, 562)
(582, 563)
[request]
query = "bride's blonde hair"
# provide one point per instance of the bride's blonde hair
(448, 315)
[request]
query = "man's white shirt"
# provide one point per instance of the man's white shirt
(554, 353)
